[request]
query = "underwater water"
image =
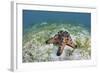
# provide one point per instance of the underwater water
(39, 26)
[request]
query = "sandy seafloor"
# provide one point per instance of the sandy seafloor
(35, 50)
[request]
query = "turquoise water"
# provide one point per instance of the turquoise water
(38, 26)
